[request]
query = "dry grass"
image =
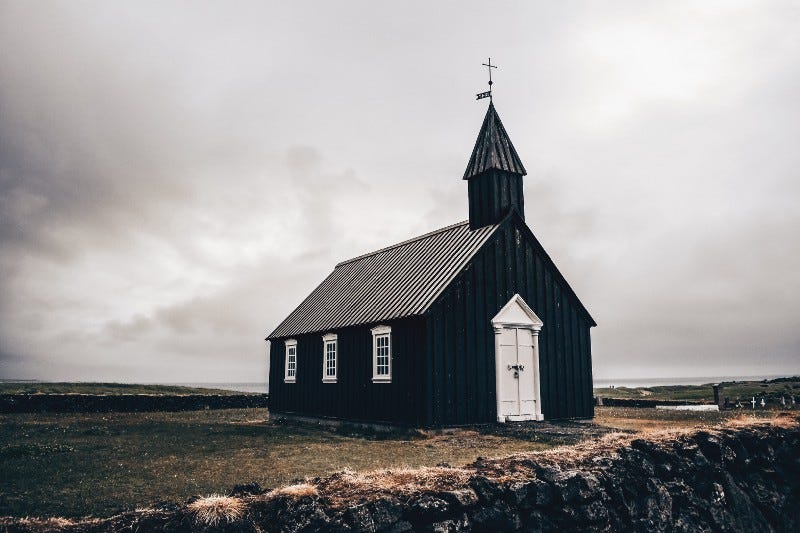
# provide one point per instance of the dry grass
(299, 490)
(347, 486)
(344, 488)
(103, 463)
(214, 510)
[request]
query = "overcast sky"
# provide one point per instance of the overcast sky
(176, 177)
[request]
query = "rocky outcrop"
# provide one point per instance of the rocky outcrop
(738, 478)
(125, 403)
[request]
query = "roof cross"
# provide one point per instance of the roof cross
(488, 93)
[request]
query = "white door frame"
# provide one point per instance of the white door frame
(530, 322)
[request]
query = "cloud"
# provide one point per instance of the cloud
(173, 182)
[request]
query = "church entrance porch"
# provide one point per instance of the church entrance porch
(516, 329)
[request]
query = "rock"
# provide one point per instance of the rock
(246, 489)
(377, 515)
(427, 507)
(593, 513)
(548, 472)
(540, 493)
(498, 517)
(710, 446)
(459, 499)
(304, 514)
(452, 526)
(399, 527)
(575, 485)
(516, 493)
(487, 490)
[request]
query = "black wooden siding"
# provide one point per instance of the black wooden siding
(354, 396)
(460, 339)
(492, 195)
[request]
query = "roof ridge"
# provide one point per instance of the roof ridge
(408, 241)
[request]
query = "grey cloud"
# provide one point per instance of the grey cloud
(174, 181)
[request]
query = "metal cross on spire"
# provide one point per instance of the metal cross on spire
(487, 94)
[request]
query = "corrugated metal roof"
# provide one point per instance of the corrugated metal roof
(493, 148)
(398, 281)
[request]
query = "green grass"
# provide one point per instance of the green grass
(103, 388)
(743, 390)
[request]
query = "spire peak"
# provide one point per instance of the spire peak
(493, 148)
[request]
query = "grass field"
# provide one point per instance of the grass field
(102, 388)
(743, 390)
(98, 464)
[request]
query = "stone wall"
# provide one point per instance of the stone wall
(98, 403)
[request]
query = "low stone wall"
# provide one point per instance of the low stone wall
(98, 403)
(636, 402)
(731, 479)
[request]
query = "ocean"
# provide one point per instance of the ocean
(240, 387)
(601, 383)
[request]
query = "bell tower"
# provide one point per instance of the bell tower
(494, 174)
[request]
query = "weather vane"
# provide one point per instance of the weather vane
(487, 94)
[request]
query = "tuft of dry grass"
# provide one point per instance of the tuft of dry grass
(214, 510)
(345, 486)
(299, 490)
(783, 420)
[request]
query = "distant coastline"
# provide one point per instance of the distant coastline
(600, 383)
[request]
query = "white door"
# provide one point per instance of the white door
(509, 379)
(516, 329)
(517, 388)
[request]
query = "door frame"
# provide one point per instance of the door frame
(532, 323)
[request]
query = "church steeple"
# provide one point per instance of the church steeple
(495, 174)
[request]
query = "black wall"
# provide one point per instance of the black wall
(492, 194)
(460, 340)
(354, 396)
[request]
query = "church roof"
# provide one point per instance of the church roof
(493, 148)
(394, 282)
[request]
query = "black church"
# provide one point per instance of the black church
(471, 323)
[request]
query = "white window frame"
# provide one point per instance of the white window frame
(328, 340)
(380, 332)
(290, 344)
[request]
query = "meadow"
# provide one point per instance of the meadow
(80, 464)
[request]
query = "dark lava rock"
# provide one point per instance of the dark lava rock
(459, 499)
(378, 515)
(486, 489)
(498, 517)
(246, 489)
(575, 485)
(427, 507)
(527, 494)
(452, 526)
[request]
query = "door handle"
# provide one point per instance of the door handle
(514, 367)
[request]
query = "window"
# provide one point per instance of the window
(290, 374)
(329, 352)
(382, 354)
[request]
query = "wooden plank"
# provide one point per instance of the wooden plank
(569, 366)
(459, 362)
(471, 345)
